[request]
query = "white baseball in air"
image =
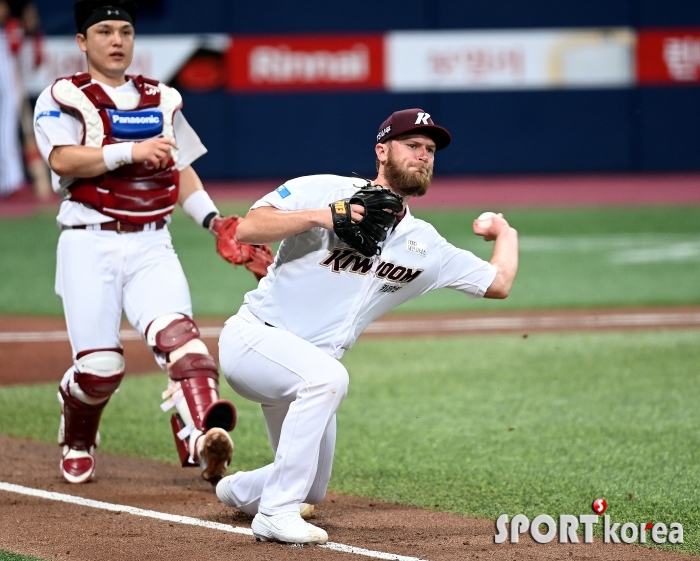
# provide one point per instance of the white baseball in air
(484, 220)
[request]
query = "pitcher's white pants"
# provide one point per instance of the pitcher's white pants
(300, 388)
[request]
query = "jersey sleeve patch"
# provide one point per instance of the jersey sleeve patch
(48, 114)
(283, 191)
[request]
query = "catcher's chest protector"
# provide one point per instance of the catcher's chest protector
(133, 192)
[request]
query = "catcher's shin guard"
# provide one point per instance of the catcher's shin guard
(81, 422)
(194, 392)
(199, 382)
(84, 393)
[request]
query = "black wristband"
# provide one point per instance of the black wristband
(208, 218)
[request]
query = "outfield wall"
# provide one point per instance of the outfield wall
(318, 16)
(517, 101)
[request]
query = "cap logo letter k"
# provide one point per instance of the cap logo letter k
(422, 119)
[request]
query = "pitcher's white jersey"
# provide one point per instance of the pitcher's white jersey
(327, 293)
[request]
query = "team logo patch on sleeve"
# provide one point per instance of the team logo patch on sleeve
(48, 114)
(283, 192)
(135, 125)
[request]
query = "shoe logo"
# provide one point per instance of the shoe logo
(279, 522)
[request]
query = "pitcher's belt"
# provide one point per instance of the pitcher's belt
(120, 226)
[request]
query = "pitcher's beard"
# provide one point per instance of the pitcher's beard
(407, 183)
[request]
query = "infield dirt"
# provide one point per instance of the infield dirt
(55, 530)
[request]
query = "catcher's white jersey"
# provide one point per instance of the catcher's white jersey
(100, 273)
(327, 293)
(54, 127)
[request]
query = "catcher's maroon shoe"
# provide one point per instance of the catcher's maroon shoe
(77, 466)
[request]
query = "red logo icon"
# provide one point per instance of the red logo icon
(599, 506)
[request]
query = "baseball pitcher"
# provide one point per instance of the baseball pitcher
(350, 252)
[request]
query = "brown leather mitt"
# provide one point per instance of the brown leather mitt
(255, 258)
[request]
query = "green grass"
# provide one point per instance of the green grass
(497, 424)
(585, 258)
(8, 556)
(132, 424)
(569, 258)
(28, 248)
(538, 425)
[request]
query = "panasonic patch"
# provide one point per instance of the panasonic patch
(135, 125)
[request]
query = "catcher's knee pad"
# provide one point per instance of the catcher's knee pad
(194, 383)
(96, 376)
(84, 393)
(170, 332)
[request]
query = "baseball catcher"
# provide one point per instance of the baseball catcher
(121, 155)
(381, 207)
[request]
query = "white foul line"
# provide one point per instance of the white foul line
(478, 324)
(459, 325)
(187, 520)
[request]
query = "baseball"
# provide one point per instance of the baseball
(484, 220)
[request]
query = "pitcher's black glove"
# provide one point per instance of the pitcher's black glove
(381, 207)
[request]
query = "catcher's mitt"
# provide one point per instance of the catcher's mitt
(255, 258)
(381, 207)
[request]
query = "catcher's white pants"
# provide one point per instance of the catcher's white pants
(100, 273)
(300, 388)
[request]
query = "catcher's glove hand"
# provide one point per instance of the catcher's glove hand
(381, 207)
(255, 258)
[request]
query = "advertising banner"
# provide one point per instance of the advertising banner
(399, 61)
(513, 59)
(668, 56)
(350, 62)
(161, 57)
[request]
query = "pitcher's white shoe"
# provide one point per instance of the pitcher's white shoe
(287, 527)
(215, 451)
